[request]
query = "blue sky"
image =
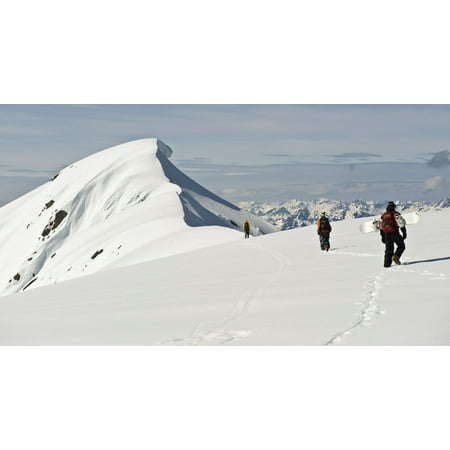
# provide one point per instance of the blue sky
(245, 152)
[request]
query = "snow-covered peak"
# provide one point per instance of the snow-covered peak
(103, 210)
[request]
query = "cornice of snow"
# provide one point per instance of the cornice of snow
(163, 149)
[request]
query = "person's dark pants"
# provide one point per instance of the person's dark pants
(324, 239)
(391, 239)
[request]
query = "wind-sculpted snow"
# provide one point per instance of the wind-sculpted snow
(163, 149)
(202, 207)
(118, 200)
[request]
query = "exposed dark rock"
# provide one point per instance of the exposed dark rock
(54, 177)
(54, 223)
(17, 277)
(234, 223)
(47, 205)
(98, 252)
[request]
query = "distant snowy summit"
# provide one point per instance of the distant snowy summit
(298, 213)
(121, 206)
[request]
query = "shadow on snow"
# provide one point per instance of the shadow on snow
(427, 260)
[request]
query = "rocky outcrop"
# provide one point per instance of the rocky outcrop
(54, 222)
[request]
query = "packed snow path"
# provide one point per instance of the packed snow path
(219, 333)
(370, 309)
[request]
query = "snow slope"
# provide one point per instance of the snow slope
(277, 289)
(101, 210)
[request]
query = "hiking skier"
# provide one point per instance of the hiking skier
(392, 223)
(246, 229)
(324, 230)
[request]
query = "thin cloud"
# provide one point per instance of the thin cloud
(7, 171)
(354, 155)
(434, 183)
(237, 174)
(199, 169)
(194, 160)
(26, 130)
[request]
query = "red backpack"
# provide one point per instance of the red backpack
(388, 222)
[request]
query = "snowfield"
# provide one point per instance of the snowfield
(156, 259)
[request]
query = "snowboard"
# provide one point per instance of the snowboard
(374, 225)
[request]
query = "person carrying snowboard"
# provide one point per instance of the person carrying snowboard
(391, 224)
(246, 229)
(324, 230)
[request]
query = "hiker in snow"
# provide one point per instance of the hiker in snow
(324, 230)
(391, 224)
(246, 229)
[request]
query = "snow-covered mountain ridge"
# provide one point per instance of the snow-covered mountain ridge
(297, 213)
(96, 213)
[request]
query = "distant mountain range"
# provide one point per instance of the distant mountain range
(298, 213)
